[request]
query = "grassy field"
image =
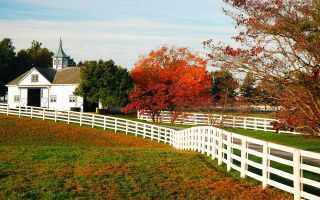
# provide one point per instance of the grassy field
(298, 141)
(47, 160)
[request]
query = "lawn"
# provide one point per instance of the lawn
(298, 141)
(48, 160)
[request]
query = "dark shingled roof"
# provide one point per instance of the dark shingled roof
(68, 75)
(48, 73)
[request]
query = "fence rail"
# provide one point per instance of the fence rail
(293, 170)
(253, 123)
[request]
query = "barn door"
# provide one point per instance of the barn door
(23, 96)
(44, 97)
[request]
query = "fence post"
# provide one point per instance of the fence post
(31, 115)
(181, 139)
(194, 141)
(80, 118)
(202, 134)
(43, 114)
(297, 174)
(265, 125)
(159, 132)
(55, 115)
(243, 157)
(7, 109)
(214, 142)
(92, 121)
(220, 153)
(151, 132)
(255, 124)
(265, 165)
(104, 122)
(68, 117)
(173, 132)
(233, 122)
(207, 130)
(189, 140)
(173, 139)
(229, 159)
(136, 129)
(144, 130)
(170, 136)
(245, 123)
(115, 125)
(126, 127)
(19, 110)
(177, 140)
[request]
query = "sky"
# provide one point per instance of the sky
(121, 30)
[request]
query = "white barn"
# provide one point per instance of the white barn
(47, 87)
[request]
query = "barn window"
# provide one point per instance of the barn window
(53, 98)
(72, 99)
(34, 78)
(16, 98)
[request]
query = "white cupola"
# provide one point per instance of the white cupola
(60, 59)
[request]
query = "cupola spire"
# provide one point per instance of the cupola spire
(60, 59)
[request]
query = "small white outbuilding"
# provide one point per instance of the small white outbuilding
(51, 88)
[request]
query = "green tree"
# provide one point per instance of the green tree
(105, 82)
(41, 57)
(7, 56)
(223, 86)
(247, 89)
(23, 62)
(71, 62)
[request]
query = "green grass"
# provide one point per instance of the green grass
(298, 141)
(282, 167)
(310, 143)
(134, 118)
(48, 160)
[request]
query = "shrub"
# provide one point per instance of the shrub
(75, 109)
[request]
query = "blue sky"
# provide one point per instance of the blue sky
(121, 30)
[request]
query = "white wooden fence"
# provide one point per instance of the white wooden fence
(292, 170)
(253, 123)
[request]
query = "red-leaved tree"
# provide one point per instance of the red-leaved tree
(280, 44)
(171, 79)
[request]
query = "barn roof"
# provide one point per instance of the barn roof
(48, 73)
(18, 79)
(68, 75)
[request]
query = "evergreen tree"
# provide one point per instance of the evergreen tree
(247, 89)
(223, 85)
(7, 56)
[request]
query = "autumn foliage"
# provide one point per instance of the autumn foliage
(168, 78)
(279, 44)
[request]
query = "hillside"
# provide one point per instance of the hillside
(42, 159)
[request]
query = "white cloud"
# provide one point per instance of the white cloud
(120, 40)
